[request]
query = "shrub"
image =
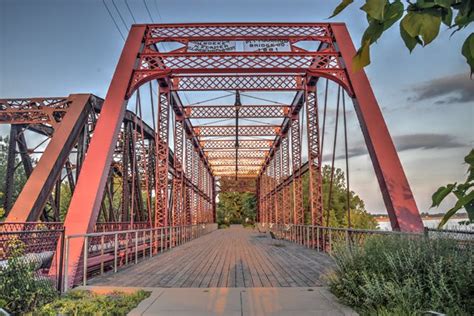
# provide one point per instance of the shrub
(405, 276)
(81, 302)
(21, 288)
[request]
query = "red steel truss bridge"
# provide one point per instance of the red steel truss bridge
(146, 157)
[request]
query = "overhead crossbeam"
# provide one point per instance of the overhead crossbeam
(245, 111)
(243, 144)
(231, 154)
(244, 130)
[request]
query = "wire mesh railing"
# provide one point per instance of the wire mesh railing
(110, 251)
(327, 238)
(31, 247)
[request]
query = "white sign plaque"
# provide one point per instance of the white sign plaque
(267, 46)
(211, 46)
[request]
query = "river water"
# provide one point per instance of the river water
(433, 223)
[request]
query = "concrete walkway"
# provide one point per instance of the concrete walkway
(236, 301)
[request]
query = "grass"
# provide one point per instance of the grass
(394, 275)
(82, 302)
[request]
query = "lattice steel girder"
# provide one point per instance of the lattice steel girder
(245, 111)
(241, 162)
(231, 154)
(244, 130)
(240, 62)
(33, 110)
(237, 31)
(314, 156)
(229, 144)
(232, 167)
(255, 82)
(298, 211)
(396, 192)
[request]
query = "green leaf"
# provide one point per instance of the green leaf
(468, 52)
(341, 7)
(469, 159)
(441, 193)
(422, 4)
(393, 13)
(424, 24)
(375, 9)
(373, 32)
(362, 58)
(464, 201)
(443, 3)
(447, 16)
(410, 42)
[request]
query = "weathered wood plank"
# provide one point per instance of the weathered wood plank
(234, 257)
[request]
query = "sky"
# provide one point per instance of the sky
(58, 47)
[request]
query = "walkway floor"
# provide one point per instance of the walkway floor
(234, 257)
(309, 301)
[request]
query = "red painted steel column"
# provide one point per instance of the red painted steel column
(87, 197)
(396, 192)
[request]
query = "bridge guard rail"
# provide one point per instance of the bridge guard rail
(109, 251)
(326, 238)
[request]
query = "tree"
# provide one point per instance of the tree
(19, 179)
(360, 218)
(463, 192)
(420, 23)
(236, 208)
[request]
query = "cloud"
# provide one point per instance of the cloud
(454, 89)
(409, 142)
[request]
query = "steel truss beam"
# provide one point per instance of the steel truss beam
(314, 156)
(245, 111)
(244, 130)
(229, 144)
(231, 154)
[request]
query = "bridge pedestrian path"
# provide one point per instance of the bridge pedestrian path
(236, 257)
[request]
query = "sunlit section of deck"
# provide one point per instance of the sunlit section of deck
(234, 257)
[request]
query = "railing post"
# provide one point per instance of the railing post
(172, 236)
(330, 241)
(102, 254)
(161, 239)
(151, 243)
(347, 239)
(66, 264)
(61, 263)
(317, 238)
(115, 252)
(126, 248)
(136, 246)
(307, 237)
(86, 250)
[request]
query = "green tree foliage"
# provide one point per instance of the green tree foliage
(236, 208)
(360, 218)
(420, 23)
(463, 192)
(19, 175)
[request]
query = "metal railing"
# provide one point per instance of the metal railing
(33, 244)
(108, 251)
(326, 238)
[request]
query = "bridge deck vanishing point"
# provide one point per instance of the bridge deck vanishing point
(234, 257)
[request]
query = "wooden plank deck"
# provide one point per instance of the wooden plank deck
(234, 257)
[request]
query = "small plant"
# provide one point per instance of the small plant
(81, 302)
(463, 192)
(21, 288)
(400, 275)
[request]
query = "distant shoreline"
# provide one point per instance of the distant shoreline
(384, 218)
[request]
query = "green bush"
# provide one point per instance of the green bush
(395, 275)
(81, 302)
(21, 289)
